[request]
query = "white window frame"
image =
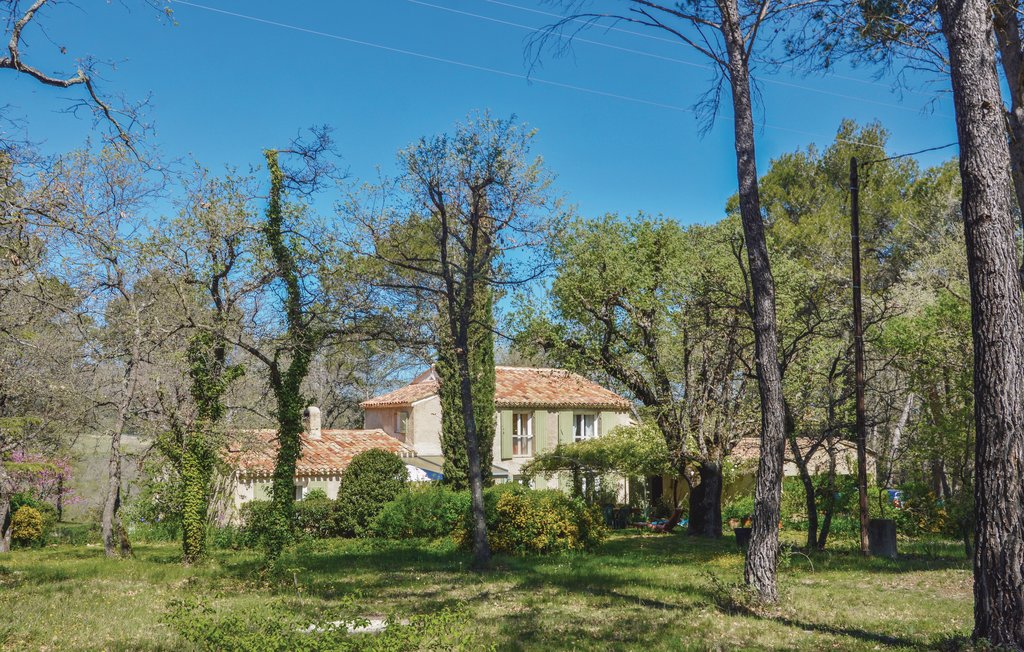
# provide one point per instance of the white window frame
(580, 419)
(399, 430)
(518, 437)
(300, 491)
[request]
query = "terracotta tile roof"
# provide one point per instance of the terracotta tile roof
(407, 395)
(254, 452)
(519, 387)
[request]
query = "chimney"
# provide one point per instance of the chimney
(311, 421)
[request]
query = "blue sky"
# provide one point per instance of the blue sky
(223, 87)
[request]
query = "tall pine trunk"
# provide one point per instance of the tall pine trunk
(997, 323)
(1006, 20)
(762, 554)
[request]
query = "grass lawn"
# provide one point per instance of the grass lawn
(639, 591)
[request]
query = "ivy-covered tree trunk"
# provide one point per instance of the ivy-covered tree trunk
(997, 323)
(286, 384)
(210, 377)
(481, 364)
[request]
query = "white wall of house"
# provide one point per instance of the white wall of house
(547, 427)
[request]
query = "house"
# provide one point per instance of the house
(325, 454)
(748, 450)
(536, 409)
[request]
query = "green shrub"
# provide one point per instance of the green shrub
(739, 508)
(316, 494)
(427, 511)
(529, 521)
(258, 523)
(27, 526)
(45, 509)
(315, 517)
(371, 480)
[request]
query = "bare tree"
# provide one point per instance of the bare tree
(728, 32)
(99, 234)
(466, 207)
(123, 119)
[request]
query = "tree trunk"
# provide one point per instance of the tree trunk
(1006, 21)
(812, 508)
(5, 511)
(997, 321)
(195, 500)
(760, 567)
(830, 504)
(115, 538)
(481, 549)
(705, 518)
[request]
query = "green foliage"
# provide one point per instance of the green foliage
(302, 340)
(269, 630)
(523, 521)
(155, 510)
(481, 368)
(261, 526)
(46, 511)
(316, 495)
(27, 526)
(316, 517)
(210, 376)
(428, 511)
(631, 451)
(371, 480)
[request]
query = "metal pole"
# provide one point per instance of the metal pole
(858, 357)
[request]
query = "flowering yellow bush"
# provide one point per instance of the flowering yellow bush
(539, 522)
(27, 525)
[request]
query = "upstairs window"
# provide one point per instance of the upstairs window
(584, 427)
(522, 434)
(401, 423)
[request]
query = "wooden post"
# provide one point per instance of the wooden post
(858, 357)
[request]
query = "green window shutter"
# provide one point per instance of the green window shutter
(607, 423)
(261, 491)
(506, 434)
(540, 431)
(565, 427)
(317, 484)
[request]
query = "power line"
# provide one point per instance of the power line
(920, 151)
(661, 57)
(612, 28)
(496, 71)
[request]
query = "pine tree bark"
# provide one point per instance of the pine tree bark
(1006, 20)
(760, 567)
(997, 322)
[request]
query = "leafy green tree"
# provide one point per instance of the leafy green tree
(659, 309)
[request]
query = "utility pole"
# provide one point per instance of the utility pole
(858, 358)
